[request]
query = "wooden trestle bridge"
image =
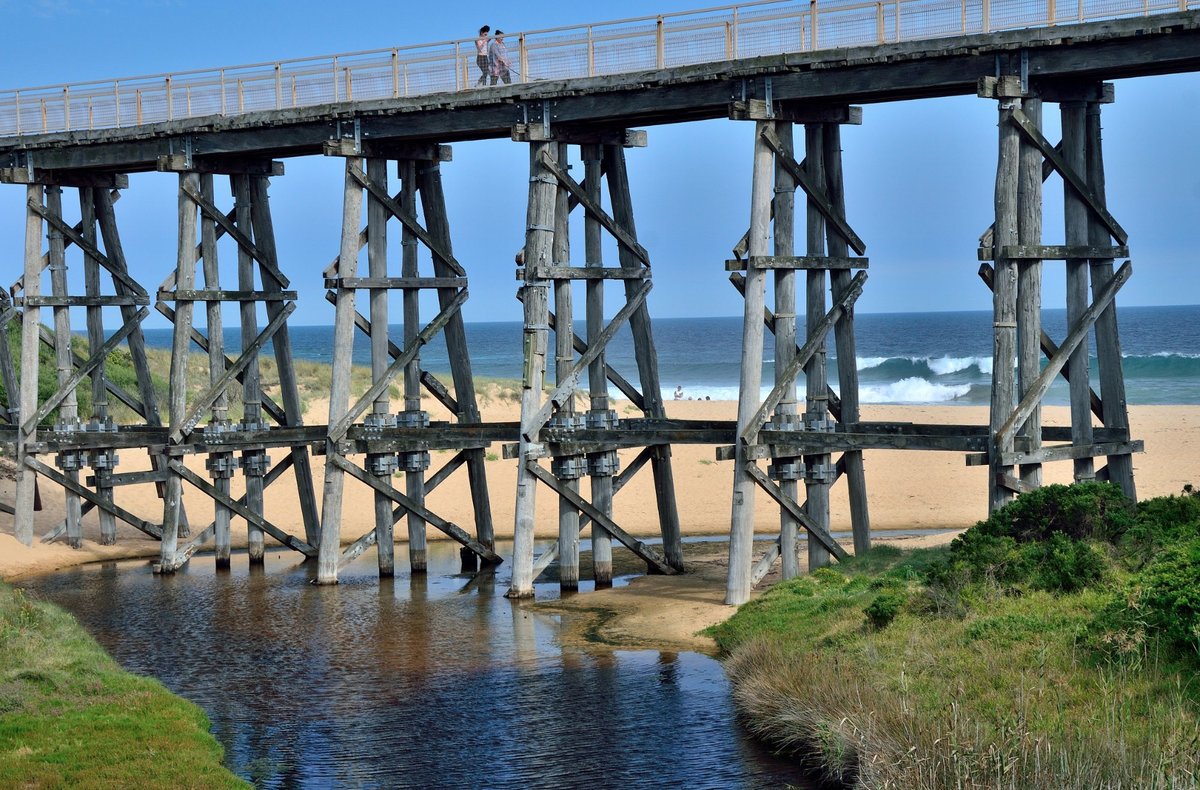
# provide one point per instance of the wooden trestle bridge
(774, 64)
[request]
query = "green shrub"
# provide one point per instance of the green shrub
(1160, 522)
(1064, 565)
(1084, 511)
(883, 610)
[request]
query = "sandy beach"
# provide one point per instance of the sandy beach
(908, 489)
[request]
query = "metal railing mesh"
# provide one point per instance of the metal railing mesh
(766, 27)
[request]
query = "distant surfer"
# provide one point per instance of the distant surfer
(679, 393)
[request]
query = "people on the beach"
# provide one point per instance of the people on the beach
(481, 55)
(498, 63)
(679, 392)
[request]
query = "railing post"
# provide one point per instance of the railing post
(523, 57)
(44, 123)
(349, 86)
(459, 73)
(659, 44)
(395, 74)
(67, 108)
(1080, 10)
(880, 33)
(223, 109)
(406, 79)
(987, 16)
(812, 13)
(188, 94)
(591, 54)
(138, 106)
(18, 101)
(91, 115)
(899, 34)
(170, 101)
(295, 96)
(278, 87)
(964, 17)
(335, 79)
(735, 34)
(241, 98)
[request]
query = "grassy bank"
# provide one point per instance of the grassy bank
(70, 717)
(1055, 645)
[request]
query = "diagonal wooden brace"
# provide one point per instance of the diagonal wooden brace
(83, 370)
(406, 219)
(336, 432)
(814, 191)
(815, 341)
(248, 355)
(1034, 136)
(291, 541)
(449, 528)
(571, 380)
(52, 474)
(797, 512)
(243, 241)
(630, 542)
(91, 249)
(1078, 333)
(578, 192)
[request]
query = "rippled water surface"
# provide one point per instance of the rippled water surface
(434, 681)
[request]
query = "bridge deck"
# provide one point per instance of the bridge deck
(1157, 44)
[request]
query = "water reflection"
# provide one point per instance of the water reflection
(428, 681)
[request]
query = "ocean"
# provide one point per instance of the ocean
(918, 358)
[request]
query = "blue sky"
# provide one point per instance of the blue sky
(919, 174)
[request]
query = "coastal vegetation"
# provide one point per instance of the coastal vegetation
(71, 717)
(1054, 645)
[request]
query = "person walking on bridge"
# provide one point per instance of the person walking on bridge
(481, 55)
(498, 61)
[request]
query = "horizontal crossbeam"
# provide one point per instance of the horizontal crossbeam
(797, 512)
(543, 272)
(1034, 252)
(194, 295)
(811, 262)
(153, 530)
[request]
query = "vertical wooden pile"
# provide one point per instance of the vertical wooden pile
(798, 446)
(1014, 246)
(401, 441)
(90, 442)
(248, 224)
(583, 444)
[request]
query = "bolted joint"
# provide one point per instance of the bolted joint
(103, 460)
(411, 419)
(567, 421)
(414, 461)
(70, 461)
(569, 467)
(221, 466)
(787, 469)
(255, 463)
(824, 474)
(605, 464)
(382, 464)
(821, 423)
(602, 419)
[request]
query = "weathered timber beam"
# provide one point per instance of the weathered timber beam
(233, 231)
(639, 548)
(1067, 452)
(540, 272)
(133, 300)
(815, 262)
(794, 509)
(209, 295)
(75, 235)
(1021, 252)
(153, 530)
(1055, 364)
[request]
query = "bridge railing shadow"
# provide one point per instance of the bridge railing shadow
(753, 29)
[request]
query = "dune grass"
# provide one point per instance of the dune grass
(887, 672)
(71, 717)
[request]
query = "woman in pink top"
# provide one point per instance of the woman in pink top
(481, 54)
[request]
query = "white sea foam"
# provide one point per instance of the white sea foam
(944, 366)
(866, 363)
(913, 390)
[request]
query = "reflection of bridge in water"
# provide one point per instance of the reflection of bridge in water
(775, 64)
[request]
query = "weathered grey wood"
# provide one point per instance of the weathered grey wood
(1077, 334)
(1072, 169)
(1108, 339)
(27, 479)
(95, 331)
(414, 283)
(816, 531)
(377, 268)
(65, 398)
(539, 241)
(1077, 224)
(646, 356)
(464, 405)
(82, 301)
(185, 276)
(847, 410)
(763, 566)
(619, 381)
(1029, 282)
(564, 357)
(267, 265)
(217, 295)
(414, 480)
(820, 212)
(289, 390)
(1054, 252)
(802, 262)
(626, 239)
(784, 211)
(601, 484)
(8, 372)
(73, 487)
(222, 516)
(252, 398)
(88, 244)
(581, 273)
(638, 547)
(1004, 298)
(339, 390)
(741, 530)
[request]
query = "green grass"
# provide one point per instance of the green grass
(71, 717)
(982, 684)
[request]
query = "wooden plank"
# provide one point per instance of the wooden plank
(1066, 452)
(224, 165)
(1061, 252)
(639, 548)
(449, 528)
(815, 192)
(217, 295)
(1072, 173)
(290, 541)
(581, 273)
(763, 566)
(68, 178)
(400, 283)
(55, 476)
(377, 270)
(253, 400)
(133, 300)
(1074, 338)
(801, 262)
(1029, 285)
(75, 234)
(208, 209)
(814, 529)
